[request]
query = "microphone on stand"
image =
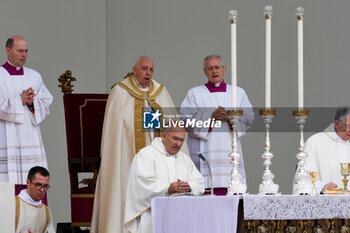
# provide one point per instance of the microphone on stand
(210, 175)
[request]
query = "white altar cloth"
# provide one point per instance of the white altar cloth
(187, 214)
(289, 207)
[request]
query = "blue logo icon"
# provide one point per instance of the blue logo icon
(151, 120)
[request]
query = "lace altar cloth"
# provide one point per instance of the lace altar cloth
(289, 207)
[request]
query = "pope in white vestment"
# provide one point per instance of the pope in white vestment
(159, 169)
(327, 149)
(208, 101)
(21, 145)
(122, 137)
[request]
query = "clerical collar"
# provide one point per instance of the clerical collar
(339, 139)
(213, 88)
(13, 70)
(25, 196)
(167, 153)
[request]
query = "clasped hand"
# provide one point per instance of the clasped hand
(179, 187)
(220, 114)
(27, 96)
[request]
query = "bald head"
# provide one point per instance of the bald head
(143, 71)
(17, 50)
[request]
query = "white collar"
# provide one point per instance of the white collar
(331, 131)
(158, 143)
(25, 196)
(17, 68)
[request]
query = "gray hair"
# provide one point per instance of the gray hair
(341, 113)
(139, 58)
(210, 57)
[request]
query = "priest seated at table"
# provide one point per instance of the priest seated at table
(159, 170)
(33, 216)
(328, 149)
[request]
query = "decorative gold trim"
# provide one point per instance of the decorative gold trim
(133, 84)
(47, 213)
(81, 125)
(134, 219)
(139, 106)
(66, 79)
(131, 91)
(17, 212)
(39, 207)
(235, 112)
(84, 195)
(330, 136)
(301, 112)
(267, 112)
(82, 224)
(157, 92)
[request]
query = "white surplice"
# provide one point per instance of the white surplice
(33, 215)
(151, 173)
(21, 145)
(326, 150)
(217, 144)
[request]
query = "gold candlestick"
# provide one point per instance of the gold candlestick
(345, 171)
(314, 176)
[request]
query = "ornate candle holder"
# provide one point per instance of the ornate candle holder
(268, 187)
(345, 171)
(314, 176)
(236, 186)
(303, 183)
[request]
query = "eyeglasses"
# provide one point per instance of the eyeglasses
(39, 186)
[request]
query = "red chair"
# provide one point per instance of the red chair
(84, 115)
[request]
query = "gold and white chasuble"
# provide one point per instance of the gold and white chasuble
(122, 137)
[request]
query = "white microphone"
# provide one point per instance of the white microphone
(210, 175)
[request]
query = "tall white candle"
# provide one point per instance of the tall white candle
(233, 21)
(268, 17)
(300, 16)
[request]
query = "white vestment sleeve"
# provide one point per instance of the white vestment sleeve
(142, 187)
(247, 119)
(42, 101)
(190, 108)
(11, 109)
(196, 181)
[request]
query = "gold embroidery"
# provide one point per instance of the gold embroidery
(330, 136)
(139, 106)
(17, 212)
(47, 212)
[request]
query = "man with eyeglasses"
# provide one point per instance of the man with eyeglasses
(209, 101)
(328, 149)
(33, 216)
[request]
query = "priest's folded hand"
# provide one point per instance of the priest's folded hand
(220, 114)
(179, 187)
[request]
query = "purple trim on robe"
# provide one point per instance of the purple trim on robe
(20, 187)
(212, 88)
(12, 69)
(217, 191)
